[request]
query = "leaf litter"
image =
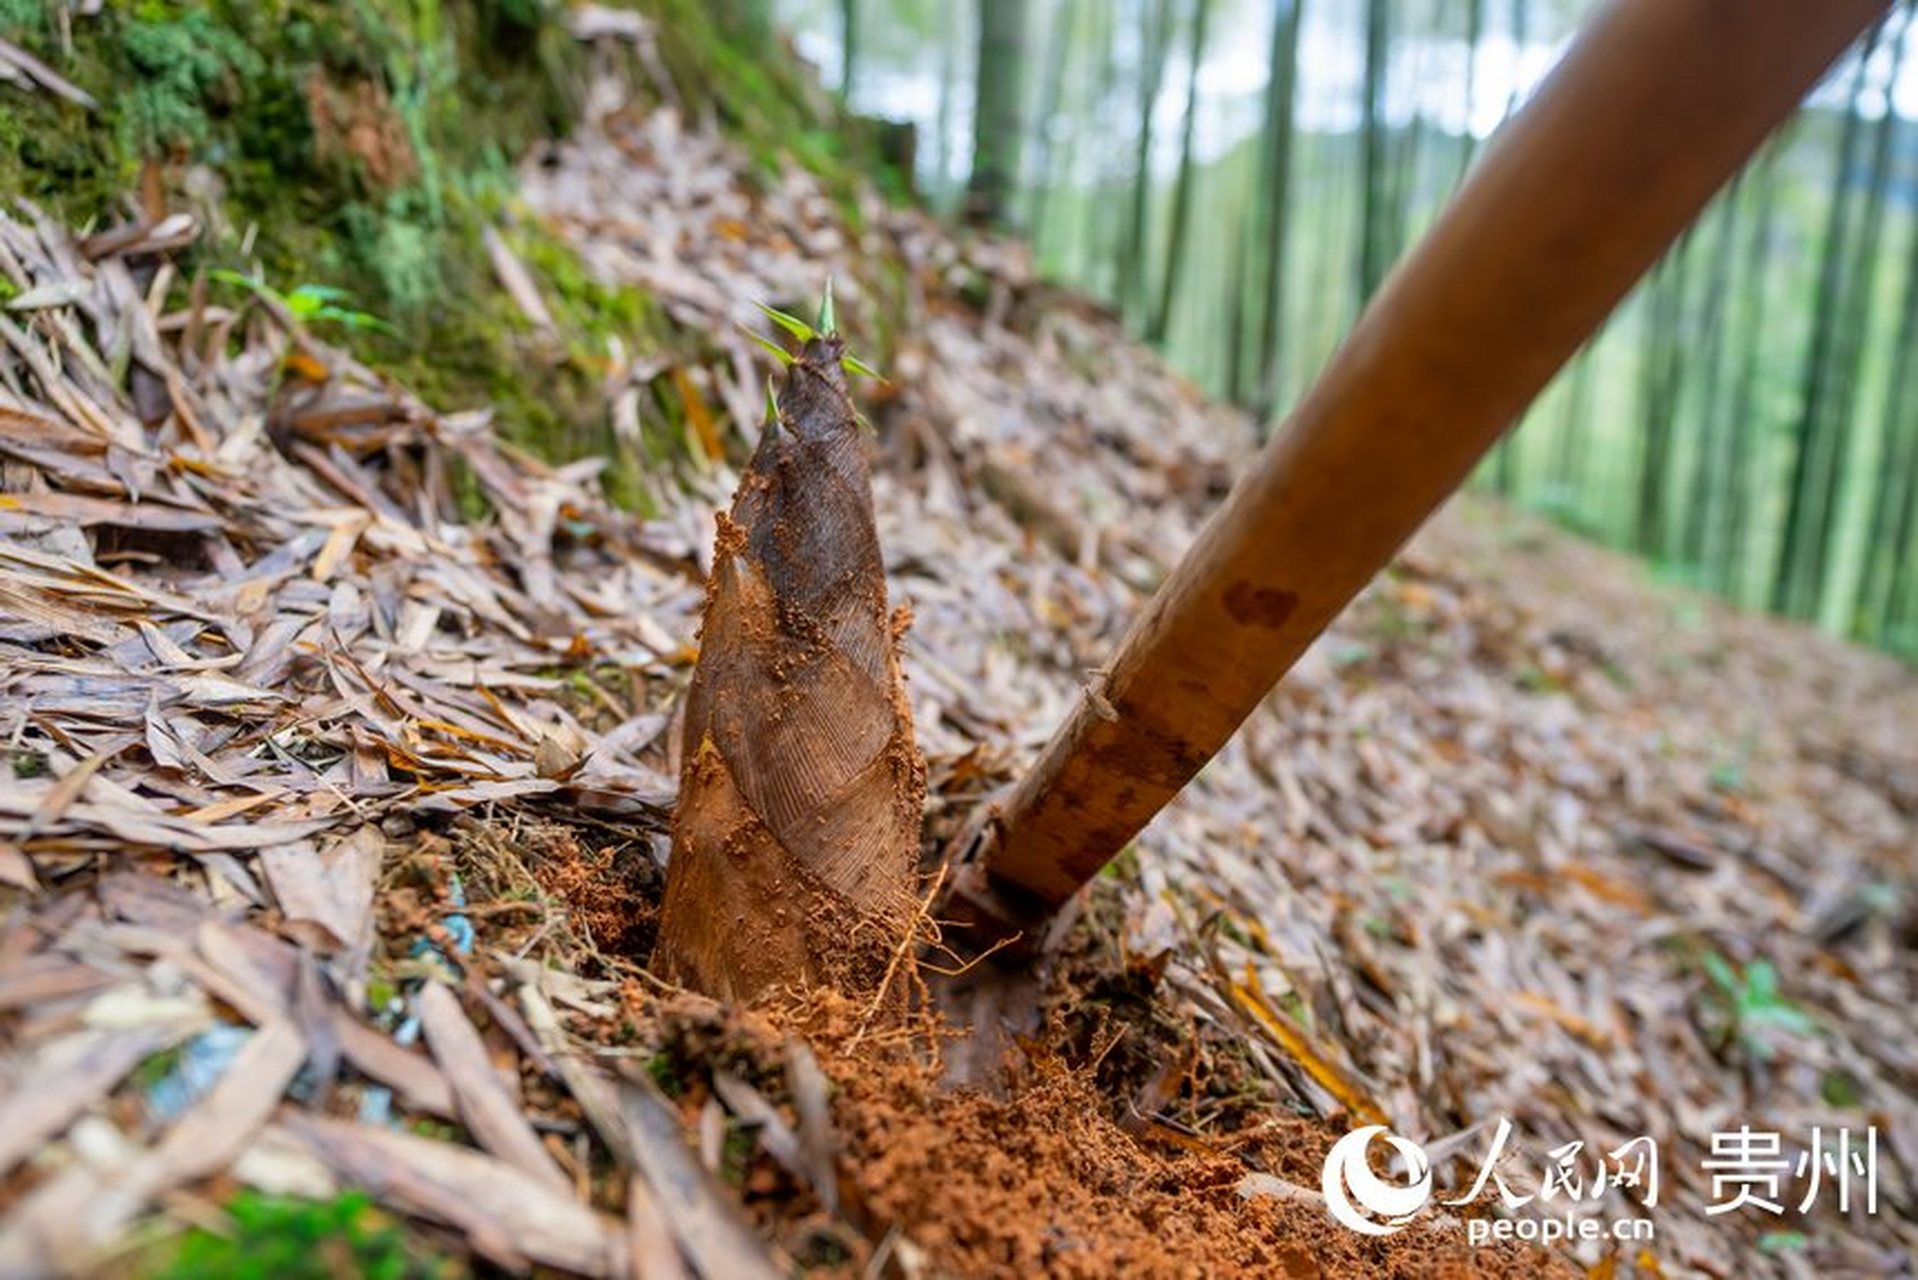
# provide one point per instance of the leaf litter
(297, 750)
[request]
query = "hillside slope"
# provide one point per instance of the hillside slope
(1494, 838)
(331, 845)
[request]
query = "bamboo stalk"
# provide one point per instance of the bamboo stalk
(1654, 107)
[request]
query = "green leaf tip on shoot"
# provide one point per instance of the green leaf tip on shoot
(828, 314)
(779, 353)
(790, 323)
(854, 365)
(828, 327)
(314, 295)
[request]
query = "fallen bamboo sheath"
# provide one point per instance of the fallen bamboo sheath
(796, 836)
(1651, 111)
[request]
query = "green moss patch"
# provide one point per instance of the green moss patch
(362, 146)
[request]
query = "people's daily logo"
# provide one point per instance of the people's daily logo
(1364, 1201)
(1567, 1195)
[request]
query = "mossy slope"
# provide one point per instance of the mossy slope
(365, 145)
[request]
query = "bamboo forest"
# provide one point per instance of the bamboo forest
(958, 639)
(1235, 178)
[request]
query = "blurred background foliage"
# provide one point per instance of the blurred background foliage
(1236, 177)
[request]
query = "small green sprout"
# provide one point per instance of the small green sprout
(1758, 1013)
(308, 303)
(1778, 1242)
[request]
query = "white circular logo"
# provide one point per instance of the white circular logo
(1348, 1178)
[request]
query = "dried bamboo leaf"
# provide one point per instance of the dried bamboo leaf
(1252, 999)
(703, 1218)
(516, 279)
(330, 887)
(592, 1089)
(46, 977)
(819, 1144)
(416, 1080)
(649, 1238)
(485, 1106)
(15, 869)
(46, 77)
(65, 1078)
(505, 1214)
(223, 1123)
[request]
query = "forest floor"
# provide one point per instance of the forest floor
(331, 840)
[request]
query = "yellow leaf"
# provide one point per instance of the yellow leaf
(1251, 998)
(698, 416)
(303, 365)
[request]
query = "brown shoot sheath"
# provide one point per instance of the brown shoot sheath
(796, 835)
(1654, 107)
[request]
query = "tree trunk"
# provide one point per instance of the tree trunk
(1574, 428)
(1794, 581)
(998, 127)
(1058, 55)
(1182, 193)
(1474, 35)
(1374, 257)
(1505, 464)
(1902, 585)
(1154, 37)
(1662, 362)
(1717, 434)
(948, 93)
(1521, 36)
(1276, 190)
(848, 46)
(1861, 281)
(1897, 487)
(1104, 221)
(1733, 530)
(796, 836)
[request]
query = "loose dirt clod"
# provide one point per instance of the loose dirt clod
(801, 794)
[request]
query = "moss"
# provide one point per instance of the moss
(664, 1070)
(579, 300)
(187, 68)
(20, 17)
(721, 53)
(283, 1237)
(547, 390)
(365, 144)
